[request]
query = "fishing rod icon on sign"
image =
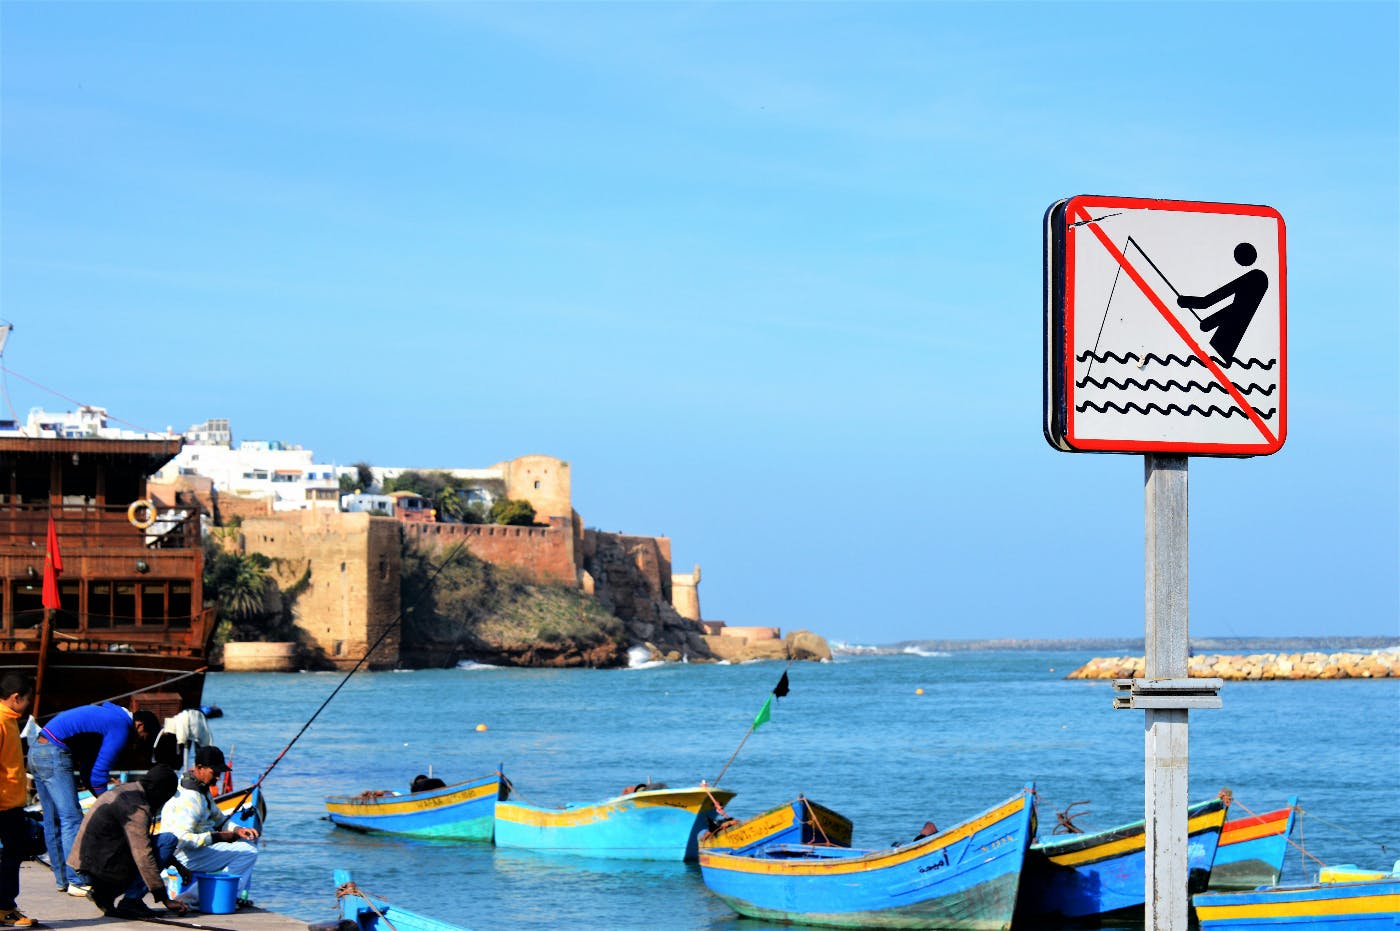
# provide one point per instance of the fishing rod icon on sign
(1147, 349)
(1229, 322)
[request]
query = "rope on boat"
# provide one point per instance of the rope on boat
(814, 821)
(1230, 799)
(349, 889)
(1385, 848)
(398, 619)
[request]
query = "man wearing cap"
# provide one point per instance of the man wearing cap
(89, 738)
(115, 849)
(195, 820)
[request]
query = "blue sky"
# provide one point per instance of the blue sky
(768, 275)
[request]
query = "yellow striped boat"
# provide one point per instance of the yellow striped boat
(1369, 905)
(465, 811)
(650, 823)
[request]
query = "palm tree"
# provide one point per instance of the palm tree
(244, 591)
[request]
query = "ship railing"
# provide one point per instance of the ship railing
(183, 636)
(94, 527)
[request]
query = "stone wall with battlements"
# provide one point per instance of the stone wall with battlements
(546, 552)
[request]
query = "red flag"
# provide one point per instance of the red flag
(53, 568)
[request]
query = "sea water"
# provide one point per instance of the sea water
(854, 735)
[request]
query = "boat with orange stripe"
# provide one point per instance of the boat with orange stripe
(1083, 878)
(1252, 849)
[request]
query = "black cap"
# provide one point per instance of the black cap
(211, 757)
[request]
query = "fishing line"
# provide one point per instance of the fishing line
(452, 555)
(199, 671)
(58, 394)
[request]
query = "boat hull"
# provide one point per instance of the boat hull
(653, 824)
(963, 878)
(465, 811)
(1373, 905)
(364, 912)
(801, 821)
(1252, 850)
(1081, 878)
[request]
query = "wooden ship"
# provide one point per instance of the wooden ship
(131, 624)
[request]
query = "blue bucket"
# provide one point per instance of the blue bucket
(218, 893)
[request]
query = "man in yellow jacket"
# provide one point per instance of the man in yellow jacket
(16, 695)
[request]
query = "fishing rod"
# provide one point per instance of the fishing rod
(428, 586)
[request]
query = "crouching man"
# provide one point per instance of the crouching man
(114, 848)
(195, 821)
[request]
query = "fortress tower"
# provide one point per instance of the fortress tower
(685, 593)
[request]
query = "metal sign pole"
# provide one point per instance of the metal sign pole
(1166, 658)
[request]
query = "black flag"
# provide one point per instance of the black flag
(781, 688)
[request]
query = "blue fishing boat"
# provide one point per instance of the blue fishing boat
(362, 911)
(647, 823)
(1252, 850)
(962, 878)
(465, 811)
(801, 821)
(1367, 905)
(1081, 878)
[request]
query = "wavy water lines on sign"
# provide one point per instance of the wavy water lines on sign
(1173, 359)
(1132, 407)
(1152, 383)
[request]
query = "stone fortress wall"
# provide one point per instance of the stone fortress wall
(353, 591)
(354, 561)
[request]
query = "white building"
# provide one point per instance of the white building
(283, 472)
(86, 422)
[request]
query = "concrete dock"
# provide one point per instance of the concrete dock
(51, 909)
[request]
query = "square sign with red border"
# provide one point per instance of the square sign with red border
(1165, 327)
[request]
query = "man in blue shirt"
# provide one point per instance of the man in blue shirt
(94, 736)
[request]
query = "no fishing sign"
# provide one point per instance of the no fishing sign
(1165, 327)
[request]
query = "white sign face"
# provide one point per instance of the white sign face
(1165, 327)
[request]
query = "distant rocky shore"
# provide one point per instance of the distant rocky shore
(1130, 645)
(1378, 664)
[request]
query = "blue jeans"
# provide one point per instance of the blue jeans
(52, 769)
(163, 845)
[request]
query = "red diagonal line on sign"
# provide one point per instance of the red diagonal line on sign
(1175, 324)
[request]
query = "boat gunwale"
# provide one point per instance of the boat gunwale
(863, 860)
(412, 798)
(1078, 843)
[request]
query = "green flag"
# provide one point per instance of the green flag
(764, 713)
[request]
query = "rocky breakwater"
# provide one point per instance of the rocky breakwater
(1380, 664)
